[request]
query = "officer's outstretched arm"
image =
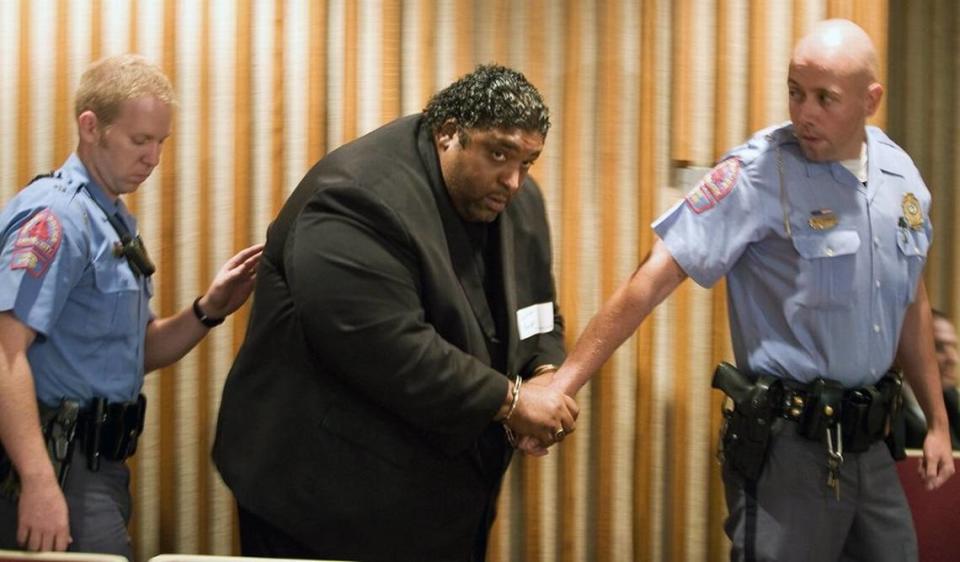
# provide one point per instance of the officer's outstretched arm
(658, 275)
(42, 522)
(916, 355)
(170, 338)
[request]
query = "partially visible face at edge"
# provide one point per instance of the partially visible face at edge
(945, 341)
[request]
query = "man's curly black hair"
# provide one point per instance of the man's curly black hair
(492, 96)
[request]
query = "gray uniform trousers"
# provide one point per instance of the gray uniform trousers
(790, 514)
(99, 504)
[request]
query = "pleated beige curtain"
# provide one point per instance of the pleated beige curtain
(645, 95)
(925, 120)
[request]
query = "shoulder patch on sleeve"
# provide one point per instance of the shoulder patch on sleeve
(37, 243)
(717, 184)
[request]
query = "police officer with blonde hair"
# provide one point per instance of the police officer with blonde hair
(821, 228)
(76, 331)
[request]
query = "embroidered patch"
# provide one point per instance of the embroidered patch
(37, 243)
(722, 178)
(716, 185)
(698, 199)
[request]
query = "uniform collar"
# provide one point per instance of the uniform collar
(875, 163)
(834, 168)
(878, 141)
(76, 175)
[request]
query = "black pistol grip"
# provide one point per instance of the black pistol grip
(732, 382)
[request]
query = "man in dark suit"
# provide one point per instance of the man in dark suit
(945, 342)
(405, 293)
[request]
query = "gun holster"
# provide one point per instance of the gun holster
(9, 483)
(748, 425)
(890, 388)
(59, 428)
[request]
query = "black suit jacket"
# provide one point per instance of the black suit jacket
(352, 417)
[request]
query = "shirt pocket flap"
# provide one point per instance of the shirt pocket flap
(913, 242)
(827, 244)
(113, 277)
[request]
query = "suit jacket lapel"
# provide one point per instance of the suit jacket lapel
(509, 289)
(465, 266)
(458, 242)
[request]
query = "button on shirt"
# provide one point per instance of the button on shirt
(828, 299)
(88, 308)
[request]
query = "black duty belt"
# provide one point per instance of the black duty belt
(844, 419)
(863, 413)
(104, 431)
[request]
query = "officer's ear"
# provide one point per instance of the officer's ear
(89, 127)
(874, 95)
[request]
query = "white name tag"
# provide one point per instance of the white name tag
(535, 319)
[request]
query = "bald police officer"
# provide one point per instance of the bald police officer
(76, 332)
(821, 227)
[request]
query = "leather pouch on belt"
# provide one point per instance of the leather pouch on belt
(122, 428)
(863, 419)
(824, 398)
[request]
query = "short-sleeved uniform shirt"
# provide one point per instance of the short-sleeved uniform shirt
(60, 275)
(828, 297)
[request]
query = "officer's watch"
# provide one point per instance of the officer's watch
(203, 318)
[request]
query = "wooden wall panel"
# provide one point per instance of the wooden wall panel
(924, 40)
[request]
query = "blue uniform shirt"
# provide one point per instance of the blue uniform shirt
(829, 297)
(59, 275)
